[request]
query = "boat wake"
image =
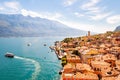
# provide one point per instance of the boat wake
(36, 64)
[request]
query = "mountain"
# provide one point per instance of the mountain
(117, 28)
(19, 25)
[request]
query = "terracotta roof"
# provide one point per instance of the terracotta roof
(115, 72)
(93, 51)
(116, 48)
(118, 62)
(98, 57)
(108, 78)
(68, 66)
(85, 76)
(102, 45)
(64, 44)
(73, 58)
(90, 51)
(67, 76)
(118, 77)
(82, 66)
(109, 57)
(99, 64)
(109, 72)
(102, 51)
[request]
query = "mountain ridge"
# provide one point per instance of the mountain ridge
(19, 25)
(117, 28)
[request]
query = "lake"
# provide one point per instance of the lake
(33, 62)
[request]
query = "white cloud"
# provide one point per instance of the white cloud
(10, 7)
(94, 11)
(69, 2)
(113, 19)
(90, 4)
(52, 16)
(1, 8)
(29, 13)
(99, 16)
(13, 5)
(88, 27)
(79, 14)
(79, 25)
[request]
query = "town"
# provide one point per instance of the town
(90, 57)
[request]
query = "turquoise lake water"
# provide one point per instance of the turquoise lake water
(35, 62)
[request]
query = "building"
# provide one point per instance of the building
(83, 67)
(80, 76)
(110, 58)
(69, 68)
(73, 58)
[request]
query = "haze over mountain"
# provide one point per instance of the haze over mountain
(19, 25)
(117, 28)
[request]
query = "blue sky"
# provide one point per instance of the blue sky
(92, 15)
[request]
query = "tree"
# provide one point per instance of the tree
(66, 40)
(64, 61)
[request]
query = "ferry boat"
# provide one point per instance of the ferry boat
(10, 55)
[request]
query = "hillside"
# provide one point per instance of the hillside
(117, 28)
(19, 25)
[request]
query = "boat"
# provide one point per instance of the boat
(52, 47)
(29, 44)
(10, 55)
(61, 71)
(45, 44)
